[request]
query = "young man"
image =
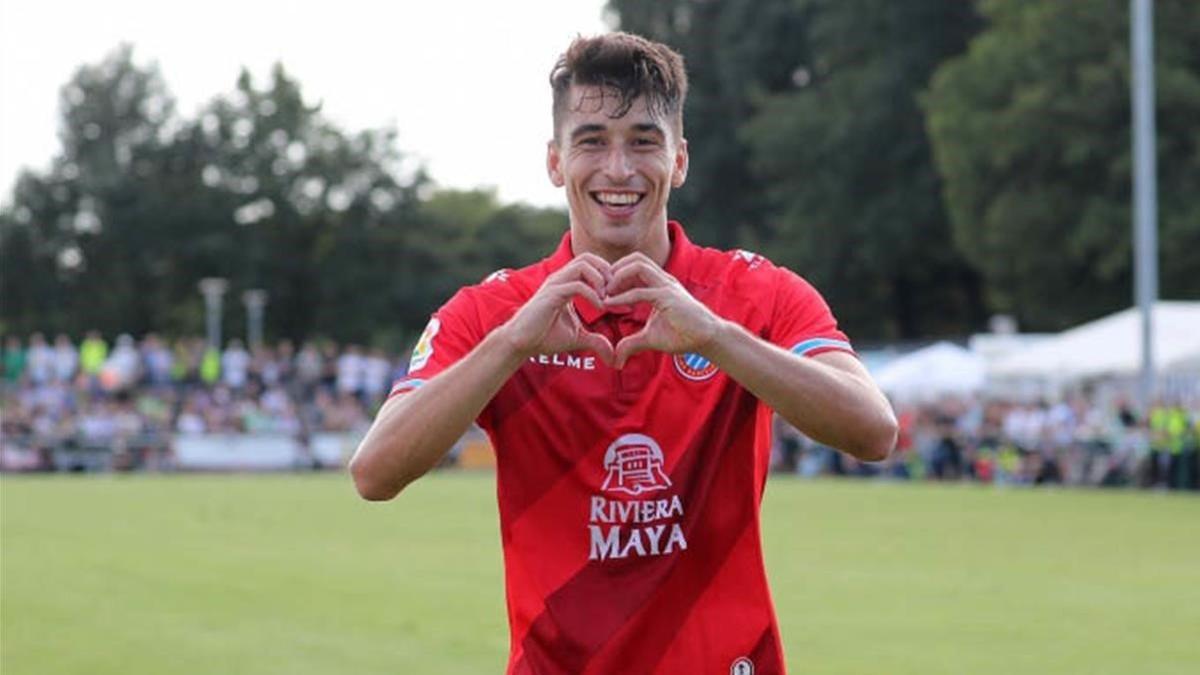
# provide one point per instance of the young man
(626, 383)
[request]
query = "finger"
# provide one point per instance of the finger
(635, 257)
(598, 344)
(635, 274)
(565, 291)
(595, 262)
(581, 270)
(635, 295)
(630, 345)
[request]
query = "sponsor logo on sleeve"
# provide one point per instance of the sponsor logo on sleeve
(424, 349)
(752, 259)
(498, 275)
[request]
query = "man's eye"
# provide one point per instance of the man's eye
(645, 142)
(591, 141)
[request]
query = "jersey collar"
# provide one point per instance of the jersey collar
(679, 261)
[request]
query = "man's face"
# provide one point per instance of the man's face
(618, 172)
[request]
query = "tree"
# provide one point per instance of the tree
(317, 217)
(1031, 130)
(259, 188)
(850, 170)
(735, 51)
(81, 227)
(807, 143)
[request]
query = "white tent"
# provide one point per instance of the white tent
(1111, 346)
(939, 369)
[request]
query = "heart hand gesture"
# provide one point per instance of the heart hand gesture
(678, 322)
(547, 323)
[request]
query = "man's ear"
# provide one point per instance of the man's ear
(554, 163)
(680, 170)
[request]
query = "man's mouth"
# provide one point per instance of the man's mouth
(617, 199)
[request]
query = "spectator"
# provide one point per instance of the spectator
(235, 365)
(66, 359)
(40, 360)
(329, 366)
(350, 371)
(191, 419)
(14, 360)
(123, 367)
(283, 360)
(210, 366)
(157, 361)
(93, 352)
(309, 368)
(377, 372)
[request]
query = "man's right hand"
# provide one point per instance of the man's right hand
(547, 323)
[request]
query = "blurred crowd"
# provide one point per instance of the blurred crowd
(1080, 440)
(133, 396)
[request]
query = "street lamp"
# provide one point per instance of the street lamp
(255, 300)
(213, 288)
(1145, 185)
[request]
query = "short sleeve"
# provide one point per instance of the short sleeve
(451, 334)
(801, 321)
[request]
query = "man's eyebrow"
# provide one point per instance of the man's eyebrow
(586, 129)
(649, 127)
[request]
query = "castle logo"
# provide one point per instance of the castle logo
(634, 463)
(620, 527)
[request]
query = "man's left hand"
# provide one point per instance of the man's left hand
(678, 322)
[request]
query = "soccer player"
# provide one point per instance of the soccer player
(626, 383)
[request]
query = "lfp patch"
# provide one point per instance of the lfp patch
(694, 367)
(424, 349)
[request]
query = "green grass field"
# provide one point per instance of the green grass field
(294, 575)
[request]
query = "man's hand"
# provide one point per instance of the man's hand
(678, 322)
(547, 323)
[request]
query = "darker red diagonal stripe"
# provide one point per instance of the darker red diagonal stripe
(583, 614)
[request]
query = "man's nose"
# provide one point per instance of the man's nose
(617, 166)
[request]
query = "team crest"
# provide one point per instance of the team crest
(634, 463)
(424, 349)
(694, 367)
(742, 666)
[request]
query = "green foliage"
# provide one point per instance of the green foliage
(735, 51)
(348, 238)
(848, 165)
(807, 143)
(87, 230)
(1031, 131)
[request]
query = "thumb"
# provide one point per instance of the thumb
(630, 345)
(597, 343)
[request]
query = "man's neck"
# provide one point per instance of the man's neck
(656, 246)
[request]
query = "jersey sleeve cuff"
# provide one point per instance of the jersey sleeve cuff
(405, 386)
(814, 346)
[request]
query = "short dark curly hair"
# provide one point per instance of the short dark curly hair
(626, 66)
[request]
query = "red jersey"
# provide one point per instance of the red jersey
(629, 499)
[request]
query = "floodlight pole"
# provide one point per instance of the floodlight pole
(213, 288)
(255, 300)
(1145, 188)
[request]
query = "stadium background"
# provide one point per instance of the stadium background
(928, 165)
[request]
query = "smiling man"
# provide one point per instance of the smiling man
(626, 383)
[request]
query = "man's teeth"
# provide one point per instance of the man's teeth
(618, 198)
